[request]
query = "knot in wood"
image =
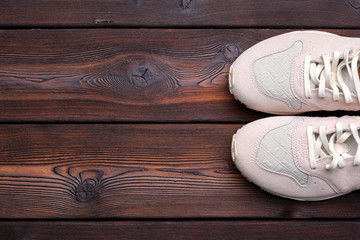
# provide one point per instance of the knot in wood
(354, 4)
(231, 52)
(87, 190)
(143, 77)
(184, 4)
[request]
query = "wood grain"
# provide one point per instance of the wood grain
(136, 176)
(123, 75)
(210, 230)
(137, 171)
(179, 13)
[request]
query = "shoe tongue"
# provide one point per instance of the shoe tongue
(348, 81)
(341, 148)
(352, 145)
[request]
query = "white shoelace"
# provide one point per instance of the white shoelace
(328, 75)
(320, 145)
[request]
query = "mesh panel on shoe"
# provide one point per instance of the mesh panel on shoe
(273, 74)
(275, 152)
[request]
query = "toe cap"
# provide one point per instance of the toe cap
(261, 78)
(284, 179)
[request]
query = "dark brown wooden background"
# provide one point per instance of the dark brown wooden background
(116, 120)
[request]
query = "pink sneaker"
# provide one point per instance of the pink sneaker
(302, 158)
(298, 72)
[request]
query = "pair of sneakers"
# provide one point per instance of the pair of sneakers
(302, 158)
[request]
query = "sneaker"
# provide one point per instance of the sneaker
(298, 72)
(302, 158)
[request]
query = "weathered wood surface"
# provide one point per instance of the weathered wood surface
(123, 74)
(180, 13)
(137, 171)
(131, 176)
(176, 230)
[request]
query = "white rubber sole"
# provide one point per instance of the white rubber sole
(231, 79)
(313, 31)
(233, 148)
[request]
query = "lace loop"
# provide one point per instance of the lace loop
(322, 144)
(329, 75)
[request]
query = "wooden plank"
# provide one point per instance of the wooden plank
(137, 171)
(123, 75)
(184, 13)
(135, 230)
